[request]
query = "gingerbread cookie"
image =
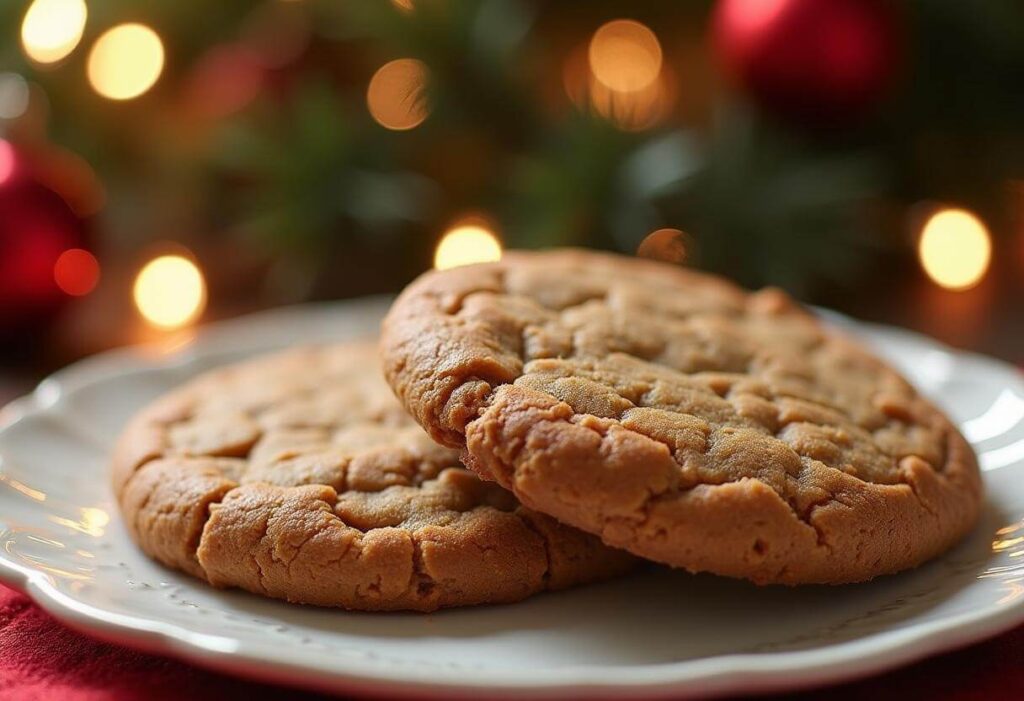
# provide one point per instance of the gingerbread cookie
(680, 417)
(298, 476)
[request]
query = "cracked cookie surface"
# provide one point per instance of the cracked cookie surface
(299, 476)
(680, 417)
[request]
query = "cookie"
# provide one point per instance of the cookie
(299, 476)
(680, 417)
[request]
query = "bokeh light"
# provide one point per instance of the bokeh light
(465, 245)
(396, 95)
(52, 29)
(170, 291)
(8, 161)
(751, 15)
(631, 88)
(634, 110)
(125, 61)
(667, 245)
(625, 55)
(14, 95)
(223, 81)
(76, 272)
(955, 249)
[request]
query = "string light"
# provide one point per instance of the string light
(955, 249)
(76, 272)
(125, 61)
(625, 56)
(52, 29)
(466, 244)
(395, 96)
(170, 291)
(667, 245)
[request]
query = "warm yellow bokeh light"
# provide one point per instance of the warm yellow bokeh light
(125, 61)
(620, 75)
(396, 97)
(625, 55)
(633, 110)
(955, 249)
(52, 29)
(465, 245)
(170, 291)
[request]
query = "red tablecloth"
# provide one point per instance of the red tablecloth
(41, 660)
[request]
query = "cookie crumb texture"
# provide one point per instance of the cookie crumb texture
(681, 418)
(298, 476)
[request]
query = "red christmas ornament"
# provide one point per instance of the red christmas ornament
(43, 261)
(811, 60)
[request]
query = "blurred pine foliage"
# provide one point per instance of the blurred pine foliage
(310, 183)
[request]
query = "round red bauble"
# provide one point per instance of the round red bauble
(37, 228)
(812, 60)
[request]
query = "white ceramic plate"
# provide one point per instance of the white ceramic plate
(657, 633)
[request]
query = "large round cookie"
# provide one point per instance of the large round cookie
(680, 417)
(298, 476)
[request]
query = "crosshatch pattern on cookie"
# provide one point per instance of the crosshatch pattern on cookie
(299, 476)
(684, 397)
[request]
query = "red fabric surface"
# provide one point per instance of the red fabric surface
(41, 660)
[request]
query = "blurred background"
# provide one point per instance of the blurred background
(170, 162)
